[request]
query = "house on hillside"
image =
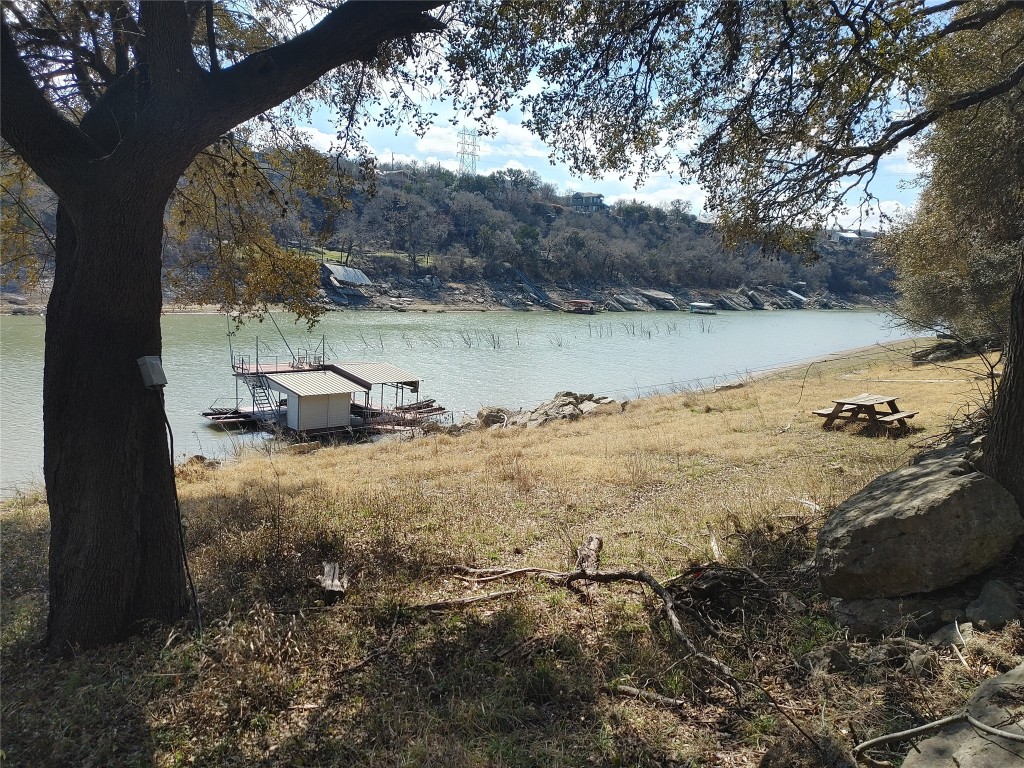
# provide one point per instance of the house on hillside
(587, 202)
(847, 236)
(397, 178)
(341, 283)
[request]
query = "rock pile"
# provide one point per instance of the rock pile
(563, 406)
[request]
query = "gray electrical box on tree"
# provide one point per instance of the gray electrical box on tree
(152, 372)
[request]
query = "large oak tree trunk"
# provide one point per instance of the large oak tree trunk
(1004, 446)
(115, 559)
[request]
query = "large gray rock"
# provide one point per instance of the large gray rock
(998, 604)
(881, 617)
(563, 406)
(492, 415)
(999, 703)
(915, 530)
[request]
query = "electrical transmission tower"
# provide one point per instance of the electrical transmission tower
(469, 151)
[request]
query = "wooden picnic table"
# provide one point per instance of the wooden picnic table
(865, 407)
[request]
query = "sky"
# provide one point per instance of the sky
(513, 146)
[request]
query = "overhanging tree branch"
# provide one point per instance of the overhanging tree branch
(46, 140)
(904, 129)
(982, 18)
(351, 32)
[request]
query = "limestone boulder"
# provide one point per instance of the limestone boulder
(998, 604)
(567, 406)
(915, 530)
(998, 702)
(885, 617)
(492, 415)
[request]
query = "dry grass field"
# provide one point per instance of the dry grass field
(396, 673)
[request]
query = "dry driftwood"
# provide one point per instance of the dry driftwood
(588, 562)
(641, 693)
(588, 554)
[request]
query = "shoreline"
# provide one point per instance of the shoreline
(430, 295)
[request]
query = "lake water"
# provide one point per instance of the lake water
(465, 359)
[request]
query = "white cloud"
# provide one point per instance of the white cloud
(881, 215)
(322, 141)
(900, 163)
(438, 140)
(513, 140)
(663, 195)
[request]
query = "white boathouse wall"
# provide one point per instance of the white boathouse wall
(319, 411)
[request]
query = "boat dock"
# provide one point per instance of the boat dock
(702, 308)
(311, 396)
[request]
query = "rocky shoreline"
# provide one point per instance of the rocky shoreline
(428, 293)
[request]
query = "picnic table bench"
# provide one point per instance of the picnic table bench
(865, 407)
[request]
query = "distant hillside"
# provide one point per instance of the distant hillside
(425, 220)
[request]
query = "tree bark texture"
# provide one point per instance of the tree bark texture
(1004, 445)
(115, 559)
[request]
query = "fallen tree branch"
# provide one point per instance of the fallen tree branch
(893, 738)
(643, 577)
(444, 605)
(484, 575)
(723, 672)
(640, 693)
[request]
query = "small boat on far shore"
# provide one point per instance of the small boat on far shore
(702, 308)
(581, 307)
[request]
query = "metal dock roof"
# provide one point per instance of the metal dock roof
(349, 275)
(376, 373)
(308, 383)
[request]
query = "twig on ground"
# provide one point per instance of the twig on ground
(960, 656)
(893, 738)
(640, 693)
(444, 605)
(494, 574)
(374, 654)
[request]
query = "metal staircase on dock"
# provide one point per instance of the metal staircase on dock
(266, 410)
